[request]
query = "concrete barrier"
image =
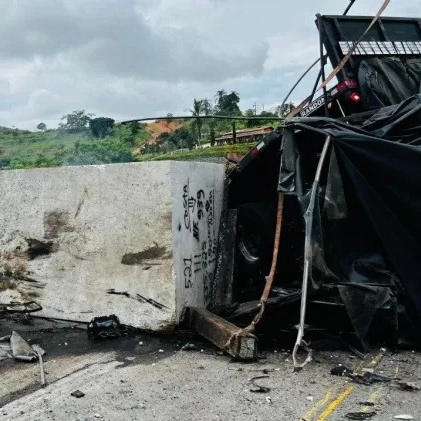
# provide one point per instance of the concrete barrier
(137, 240)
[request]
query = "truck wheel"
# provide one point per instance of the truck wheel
(255, 236)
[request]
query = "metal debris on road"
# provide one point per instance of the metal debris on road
(39, 351)
(259, 388)
(403, 417)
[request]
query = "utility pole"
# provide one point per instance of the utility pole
(255, 108)
(234, 133)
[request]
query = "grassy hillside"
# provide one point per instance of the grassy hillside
(25, 149)
(215, 152)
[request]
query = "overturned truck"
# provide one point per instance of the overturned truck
(328, 204)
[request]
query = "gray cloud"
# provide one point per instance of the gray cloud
(110, 36)
(129, 58)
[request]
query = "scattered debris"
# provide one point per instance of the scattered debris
(360, 415)
(341, 370)
(189, 347)
(21, 350)
(161, 351)
(77, 394)
(268, 399)
(403, 417)
(141, 343)
(369, 378)
(151, 301)
(5, 349)
(105, 327)
(14, 346)
(310, 398)
(39, 351)
(259, 388)
(20, 309)
(410, 386)
(98, 416)
(138, 297)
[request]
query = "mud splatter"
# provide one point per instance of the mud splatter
(55, 223)
(149, 253)
(38, 248)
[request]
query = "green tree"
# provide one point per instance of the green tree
(219, 98)
(101, 126)
(227, 104)
(197, 123)
(76, 120)
(182, 138)
(42, 126)
(134, 128)
(250, 123)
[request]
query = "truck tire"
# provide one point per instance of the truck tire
(255, 236)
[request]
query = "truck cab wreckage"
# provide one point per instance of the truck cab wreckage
(328, 202)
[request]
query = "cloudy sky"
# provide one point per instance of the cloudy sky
(137, 58)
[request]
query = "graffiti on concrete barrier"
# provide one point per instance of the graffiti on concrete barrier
(189, 204)
(199, 221)
(187, 272)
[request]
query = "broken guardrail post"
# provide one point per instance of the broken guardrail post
(226, 336)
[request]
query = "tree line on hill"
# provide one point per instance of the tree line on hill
(195, 132)
(83, 138)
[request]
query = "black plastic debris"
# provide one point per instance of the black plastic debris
(367, 378)
(370, 378)
(78, 394)
(360, 415)
(105, 327)
(258, 388)
(409, 386)
(341, 370)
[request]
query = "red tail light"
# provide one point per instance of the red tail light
(355, 97)
(347, 84)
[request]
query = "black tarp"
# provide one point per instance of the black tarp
(366, 237)
(385, 81)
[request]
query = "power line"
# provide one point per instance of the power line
(190, 117)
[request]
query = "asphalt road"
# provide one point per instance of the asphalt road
(151, 378)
